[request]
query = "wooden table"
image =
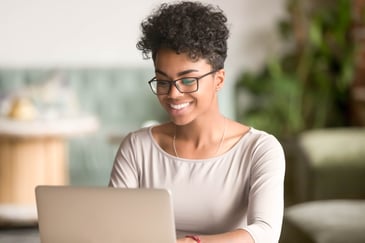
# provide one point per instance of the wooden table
(35, 153)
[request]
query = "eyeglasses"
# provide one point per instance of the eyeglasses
(183, 85)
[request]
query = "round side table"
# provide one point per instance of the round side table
(34, 153)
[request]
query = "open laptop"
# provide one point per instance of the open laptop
(104, 214)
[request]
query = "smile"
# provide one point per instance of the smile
(179, 106)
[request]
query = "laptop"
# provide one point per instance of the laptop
(104, 214)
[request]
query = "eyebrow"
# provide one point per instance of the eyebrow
(179, 73)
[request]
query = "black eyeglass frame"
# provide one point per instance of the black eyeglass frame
(174, 82)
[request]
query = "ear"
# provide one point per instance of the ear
(219, 79)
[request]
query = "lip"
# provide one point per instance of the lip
(178, 109)
(179, 106)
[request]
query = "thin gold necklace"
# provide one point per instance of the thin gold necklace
(218, 149)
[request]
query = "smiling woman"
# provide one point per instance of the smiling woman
(226, 178)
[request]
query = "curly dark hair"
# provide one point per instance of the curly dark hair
(198, 30)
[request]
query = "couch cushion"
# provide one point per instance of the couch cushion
(331, 164)
(334, 146)
(328, 221)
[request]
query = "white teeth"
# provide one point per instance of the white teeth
(179, 106)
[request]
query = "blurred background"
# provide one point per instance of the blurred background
(72, 84)
(79, 58)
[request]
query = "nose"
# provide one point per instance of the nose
(174, 92)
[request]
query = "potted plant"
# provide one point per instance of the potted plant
(307, 86)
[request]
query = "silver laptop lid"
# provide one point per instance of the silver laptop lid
(104, 214)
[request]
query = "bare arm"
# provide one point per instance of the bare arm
(236, 236)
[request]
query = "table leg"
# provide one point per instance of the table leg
(28, 162)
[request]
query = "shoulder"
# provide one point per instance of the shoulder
(153, 134)
(265, 148)
(249, 137)
(137, 136)
(142, 132)
(162, 130)
(260, 137)
(257, 145)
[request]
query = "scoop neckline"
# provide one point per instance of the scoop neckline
(235, 147)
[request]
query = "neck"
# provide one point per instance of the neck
(201, 137)
(202, 128)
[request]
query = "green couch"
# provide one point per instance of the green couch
(119, 97)
(325, 221)
(331, 164)
(329, 181)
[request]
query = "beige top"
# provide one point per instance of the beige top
(242, 188)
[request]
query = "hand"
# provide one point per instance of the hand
(185, 240)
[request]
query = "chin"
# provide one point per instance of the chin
(180, 121)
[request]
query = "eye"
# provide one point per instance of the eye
(188, 81)
(162, 84)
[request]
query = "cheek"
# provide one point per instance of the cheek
(208, 86)
(163, 100)
(205, 98)
(206, 91)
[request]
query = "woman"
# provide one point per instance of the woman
(226, 178)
